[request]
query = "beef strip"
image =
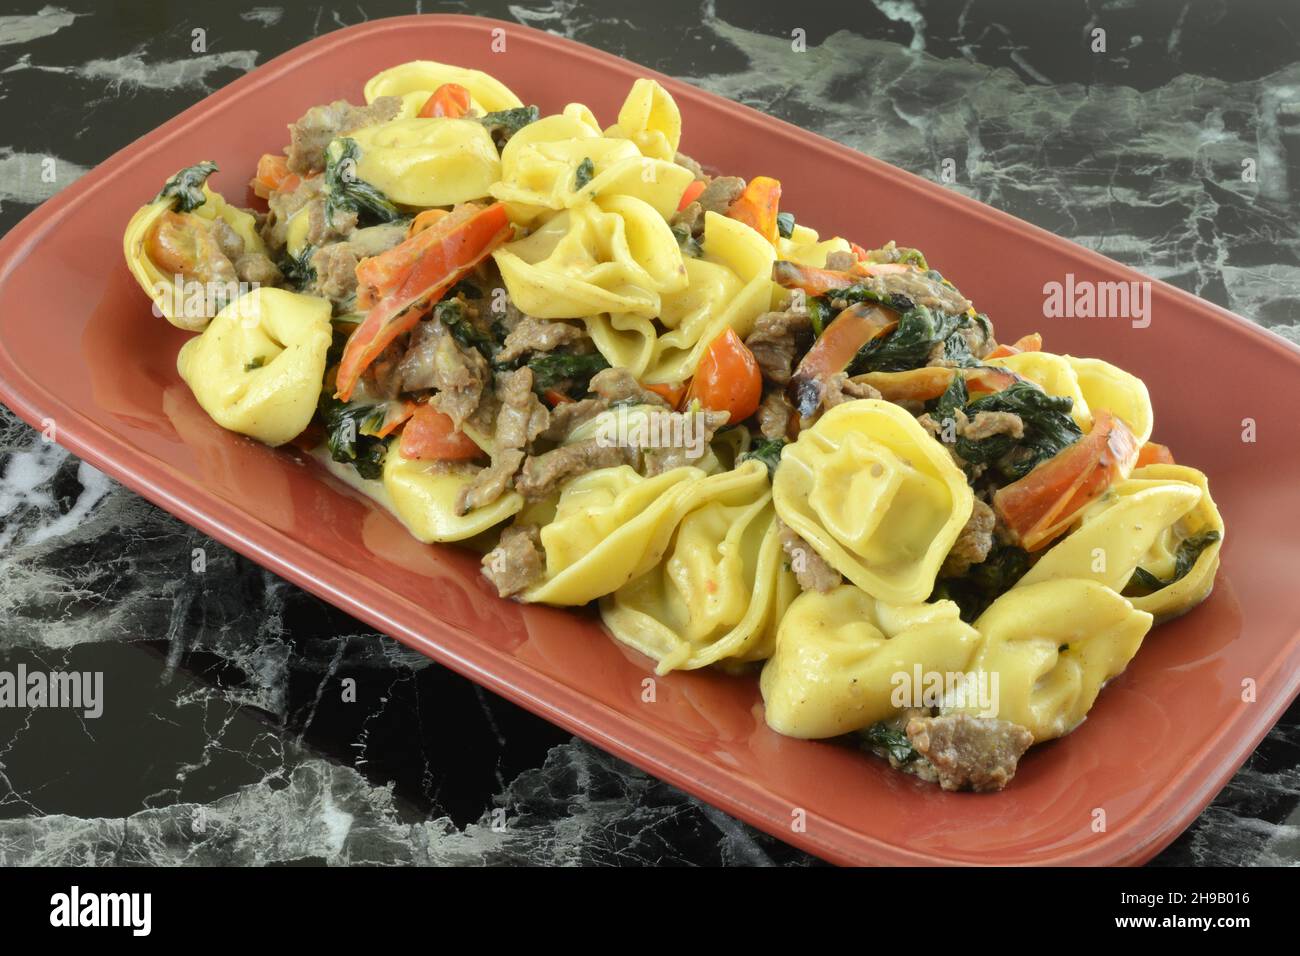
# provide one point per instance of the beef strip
(920, 288)
(775, 343)
(681, 159)
(434, 359)
(542, 474)
(517, 560)
(987, 424)
(840, 389)
(335, 264)
(969, 753)
(618, 385)
(811, 570)
(309, 137)
(520, 420)
(532, 335)
(283, 207)
(567, 416)
(697, 429)
(840, 261)
(774, 415)
(256, 269)
(973, 542)
(251, 267)
(720, 193)
(690, 219)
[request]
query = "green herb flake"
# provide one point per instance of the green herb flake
(186, 187)
(785, 224)
(584, 173)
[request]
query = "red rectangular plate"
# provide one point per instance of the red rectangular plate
(80, 347)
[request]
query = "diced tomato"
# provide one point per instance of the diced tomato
(450, 100)
(758, 205)
(672, 394)
(555, 397)
(858, 252)
(728, 378)
(1154, 453)
(181, 243)
(835, 348)
(272, 175)
(690, 194)
(430, 435)
(422, 268)
(1041, 505)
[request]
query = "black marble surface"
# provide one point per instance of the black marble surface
(226, 739)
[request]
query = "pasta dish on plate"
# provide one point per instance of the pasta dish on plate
(627, 381)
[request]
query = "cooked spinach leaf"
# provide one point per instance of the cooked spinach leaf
(563, 370)
(985, 582)
(1143, 582)
(583, 174)
(505, 123)
(455, 318)
(298, 269)
(909, 346)
(785, 224)
(689, 245)
(766, 450)
(1048, 429)
(186, 187)
(344, 423)
(819, 314)
(345, 192)
(891, 740)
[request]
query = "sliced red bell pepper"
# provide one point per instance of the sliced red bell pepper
(1026, 343)
(847, 333)
(923, 384)
(450, 100)
(440, 256)
(758, 205)
(690, 194)
(1154, 453)
(1040, 506)
(432, 436)
(272, 175)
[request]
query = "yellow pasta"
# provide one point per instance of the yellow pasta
(721, 588)
(258, 367)
(1052, 646)
(876, 496)
(427, 162)
(424, 495)
(841, 657)
(416, 81)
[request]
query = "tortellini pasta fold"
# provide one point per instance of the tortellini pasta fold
(416, 81)
(721, 588)
(1052, 646)
(258, 367)
(424, 495)
(427, 162)
(840, 658)
(876, 496)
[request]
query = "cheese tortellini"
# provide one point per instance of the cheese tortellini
(838, 656)
(416, 81)
(258, 367)
(721, 588)
(875, 496)
(424, 495)
(1052, 646)
(612, 255)
(165, 288)
(610, 526)
(427, 162)
(650, 118)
